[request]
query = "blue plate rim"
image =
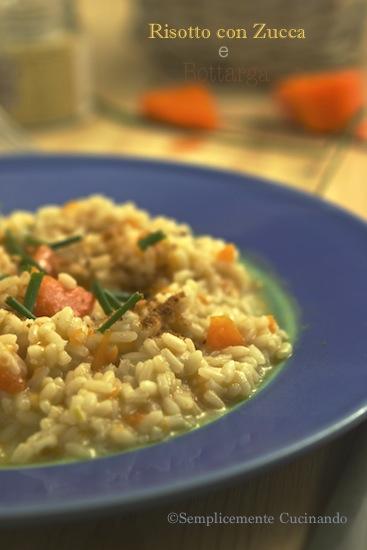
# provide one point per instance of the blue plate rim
(226, 474)
(82, 507)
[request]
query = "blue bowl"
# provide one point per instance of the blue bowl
(319, 251)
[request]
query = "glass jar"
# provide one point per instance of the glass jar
(44, 69)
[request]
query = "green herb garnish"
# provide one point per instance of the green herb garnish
(120, 294)
(151, 239)
(129, 304)
(32, 290)
(13, 247)
(4, 276)
(34, 241)
(25, 266)
(65, 242)
(11, 244)
(116, 297)
(19, 308)
(112, 299)
(100, 294)
(29, 262)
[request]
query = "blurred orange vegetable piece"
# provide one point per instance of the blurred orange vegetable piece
(10, 382)
(135, 418)
(105, 353)
(47, 259)
(322, 102)
(227, 254)
(272, 323)
(53, 297)
(187, 106)
(223, 332)
(361, 131)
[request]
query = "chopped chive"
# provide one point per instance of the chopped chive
(34, 241)
(116, 297)
(4, 276)
(28, 261)
(120, 294)
(11, 244)
(19, 308)
(65, 242)
(129, 304)
(151, 239)
(32, 290)
(112, 299)
(25, 266)
(99, 293)
(13, 247)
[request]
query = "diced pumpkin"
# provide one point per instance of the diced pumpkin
(323, 101)
(134, 419)
(187, 106)
(272, 323)
(222, 333)
(70, 207)
(203, 298)
(227, 254)
(10, 382)
(105, 352)
(361, 130)
(77, 337)
(53, 297)
(47, 259)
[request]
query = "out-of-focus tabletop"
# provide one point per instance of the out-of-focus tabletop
(259, 144)
(256, 140)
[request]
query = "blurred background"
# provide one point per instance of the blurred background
(83, 76)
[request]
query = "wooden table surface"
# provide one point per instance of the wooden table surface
(333, 169)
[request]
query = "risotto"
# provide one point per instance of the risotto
(118, 329)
